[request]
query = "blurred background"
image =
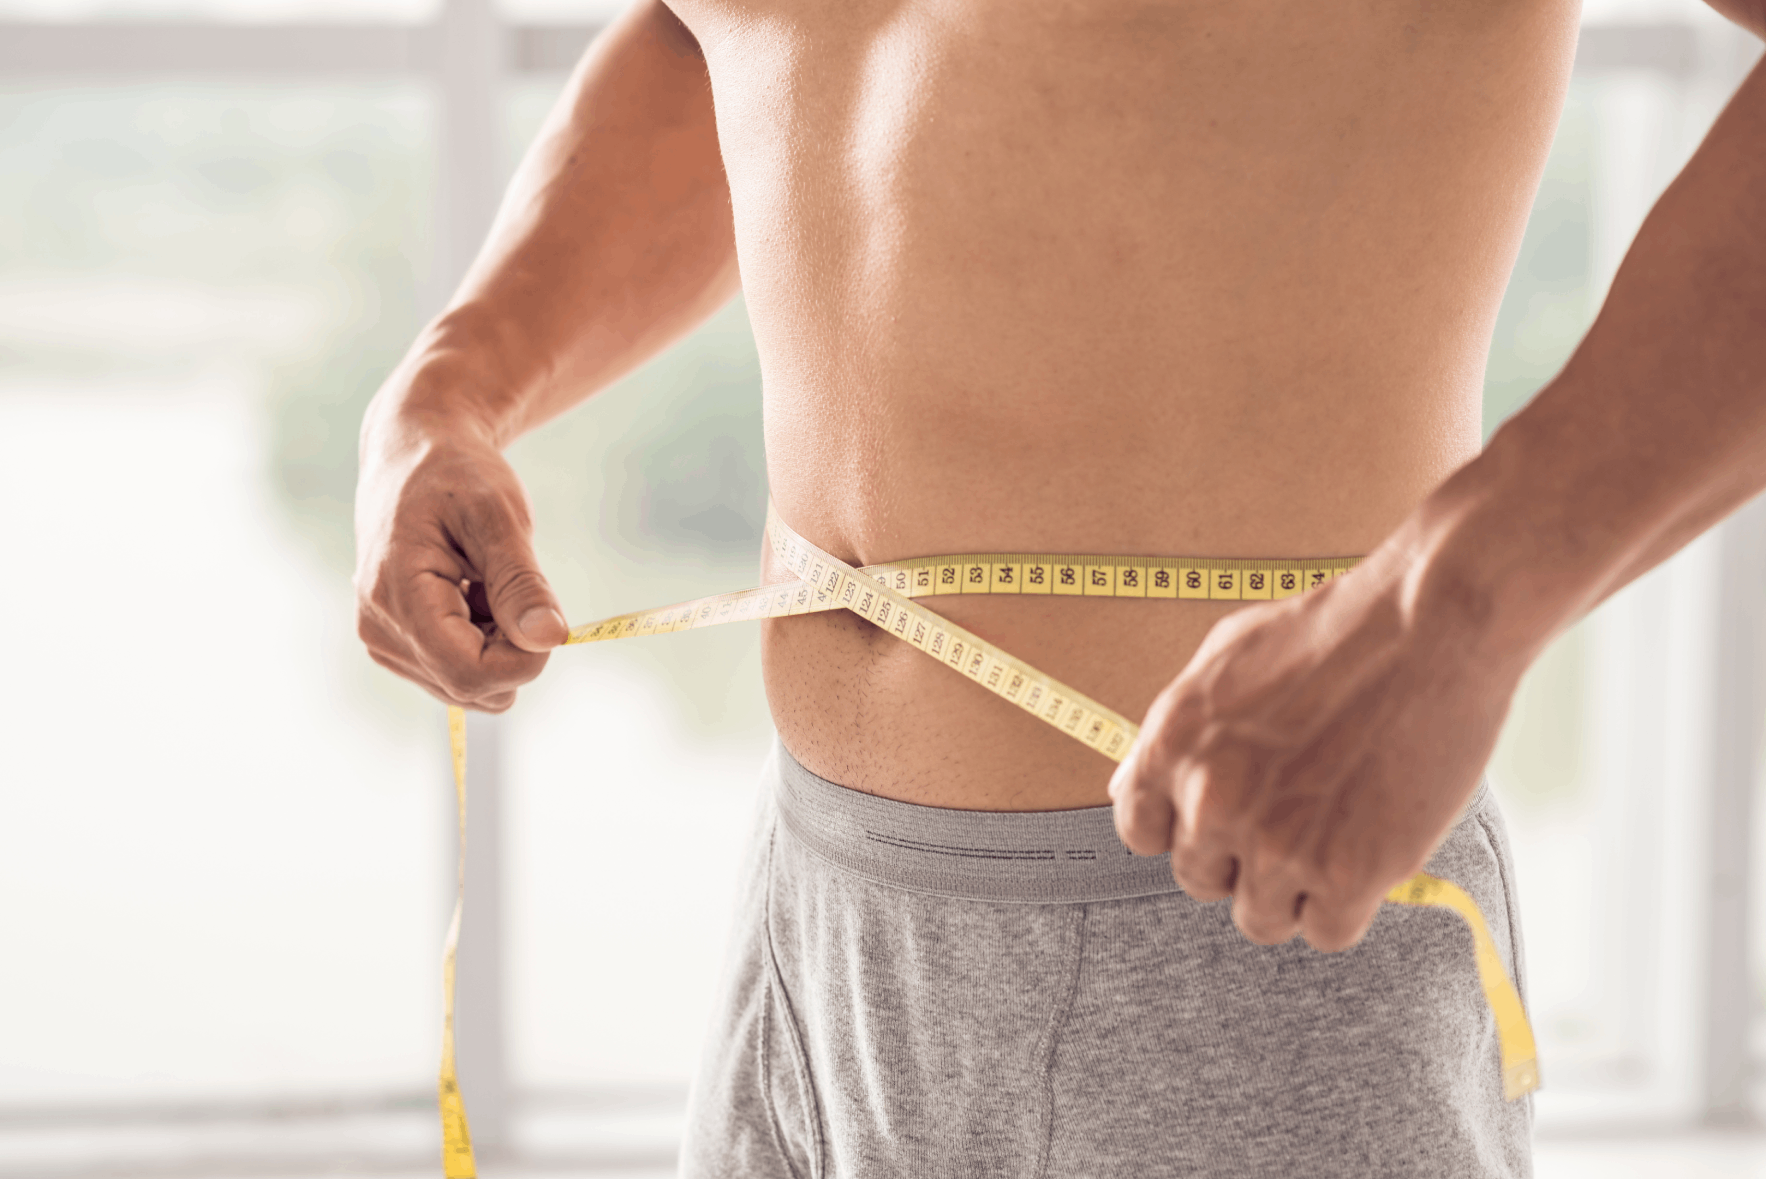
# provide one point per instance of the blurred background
(225, 836)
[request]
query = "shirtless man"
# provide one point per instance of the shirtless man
(1155, 277)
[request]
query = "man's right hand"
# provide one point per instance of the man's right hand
(616, 239)
(448, 593)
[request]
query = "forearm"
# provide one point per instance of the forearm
(1655, 430)
(614, 239)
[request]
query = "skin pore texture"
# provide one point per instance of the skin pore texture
(1175, 278)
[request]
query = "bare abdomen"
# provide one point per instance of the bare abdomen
(1193, 283)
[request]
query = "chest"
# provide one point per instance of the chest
(1255, 70)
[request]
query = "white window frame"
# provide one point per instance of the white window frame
(468, 49)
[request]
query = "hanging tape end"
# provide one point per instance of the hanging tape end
(457, 1160)
(1520, 1079)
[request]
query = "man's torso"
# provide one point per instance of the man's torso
(1179, 278)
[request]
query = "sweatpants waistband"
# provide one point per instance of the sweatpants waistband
(1036, 858)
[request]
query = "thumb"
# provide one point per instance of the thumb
(521, 601)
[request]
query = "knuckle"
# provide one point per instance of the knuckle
(373, 632)
(479, 692)
(1143, 820)
(1288, 819)
(1203, 877)
(1201, 890)
(1221, 797)
(459, 681)
(378, 598)
(1265, 929)
(498, 702)
(1274, 852)
(1341, 876)
(451, 699)
(1173, 722)
(1126, 781)
(1137, 784)
(1132, 780)
(493, 675)
(1189, 851)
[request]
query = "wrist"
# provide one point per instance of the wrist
(1493, 561)
(456, 384)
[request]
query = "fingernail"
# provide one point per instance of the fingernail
(538, 620)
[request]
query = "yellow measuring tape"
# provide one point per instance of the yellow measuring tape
(884, 596)
(457, 1160)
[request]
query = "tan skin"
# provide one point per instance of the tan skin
(1105, 276)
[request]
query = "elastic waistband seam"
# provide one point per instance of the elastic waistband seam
(829, 821)
(984, 889)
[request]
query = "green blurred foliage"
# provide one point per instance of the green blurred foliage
(315, 201)
(1540, 760)
(655, 492)
(1550, 300)
(310, 207)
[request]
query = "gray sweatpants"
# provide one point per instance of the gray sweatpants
(924, 993)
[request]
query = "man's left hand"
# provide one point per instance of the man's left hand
(1316, 750)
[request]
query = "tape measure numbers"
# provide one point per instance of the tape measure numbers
(884, 596)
